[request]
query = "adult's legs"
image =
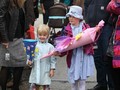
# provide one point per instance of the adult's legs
(116, 78)
(115, 72)
(109, 72)
(45, 17)
(107, 32)
(103, 76)
(3, 77)
(36, 12)
(17, 74)
(10, 78)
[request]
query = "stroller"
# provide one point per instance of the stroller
(57, 19)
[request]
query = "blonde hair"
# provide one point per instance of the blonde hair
(43, 29)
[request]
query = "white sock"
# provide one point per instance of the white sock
(82, 85)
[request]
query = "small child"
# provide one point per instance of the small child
(42, 70)
(79, 60)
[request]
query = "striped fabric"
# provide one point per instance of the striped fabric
(116, 47)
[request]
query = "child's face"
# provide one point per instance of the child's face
(74, 21)
(43, 37)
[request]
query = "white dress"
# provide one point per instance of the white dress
(82, 65)
(40, 70)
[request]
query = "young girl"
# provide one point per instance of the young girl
(42, 70)
(80, 63)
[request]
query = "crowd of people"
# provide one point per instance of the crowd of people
(17, 15)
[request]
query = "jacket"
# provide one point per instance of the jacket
(95, 10)
(9, 19)
(88, 49)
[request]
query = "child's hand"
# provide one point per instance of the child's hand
(5, 45)
(97, 28)
(56, 53)
(29, 63)
(51, 74)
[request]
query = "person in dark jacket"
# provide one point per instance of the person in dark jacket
(94, 11)
(45, 5)
(15, 18)
(36, 11)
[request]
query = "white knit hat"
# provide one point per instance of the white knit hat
(75, 11)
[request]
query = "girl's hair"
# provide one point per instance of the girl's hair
(16, 3)
(43, 29)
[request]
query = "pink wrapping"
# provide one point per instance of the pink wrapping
(87, 37)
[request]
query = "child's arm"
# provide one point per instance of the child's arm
(59, 54)
(53, 60)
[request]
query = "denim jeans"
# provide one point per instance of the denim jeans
(102, 69)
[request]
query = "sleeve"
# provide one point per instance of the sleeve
(29, 13)
(3, 11)
(53, 59)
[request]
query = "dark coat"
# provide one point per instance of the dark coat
(9, 19)
(95, 10)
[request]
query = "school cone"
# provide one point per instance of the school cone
(29, 45)
(86, 37)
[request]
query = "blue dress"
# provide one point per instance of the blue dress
(82, 65)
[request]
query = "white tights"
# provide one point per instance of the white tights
(78, 85)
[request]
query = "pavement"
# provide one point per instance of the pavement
(59, 81)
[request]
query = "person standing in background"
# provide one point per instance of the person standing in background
(45, 5)
(79, 3)
(36, 11)
(94, 11)
(15, 18)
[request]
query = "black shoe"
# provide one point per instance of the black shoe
(99, 87)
